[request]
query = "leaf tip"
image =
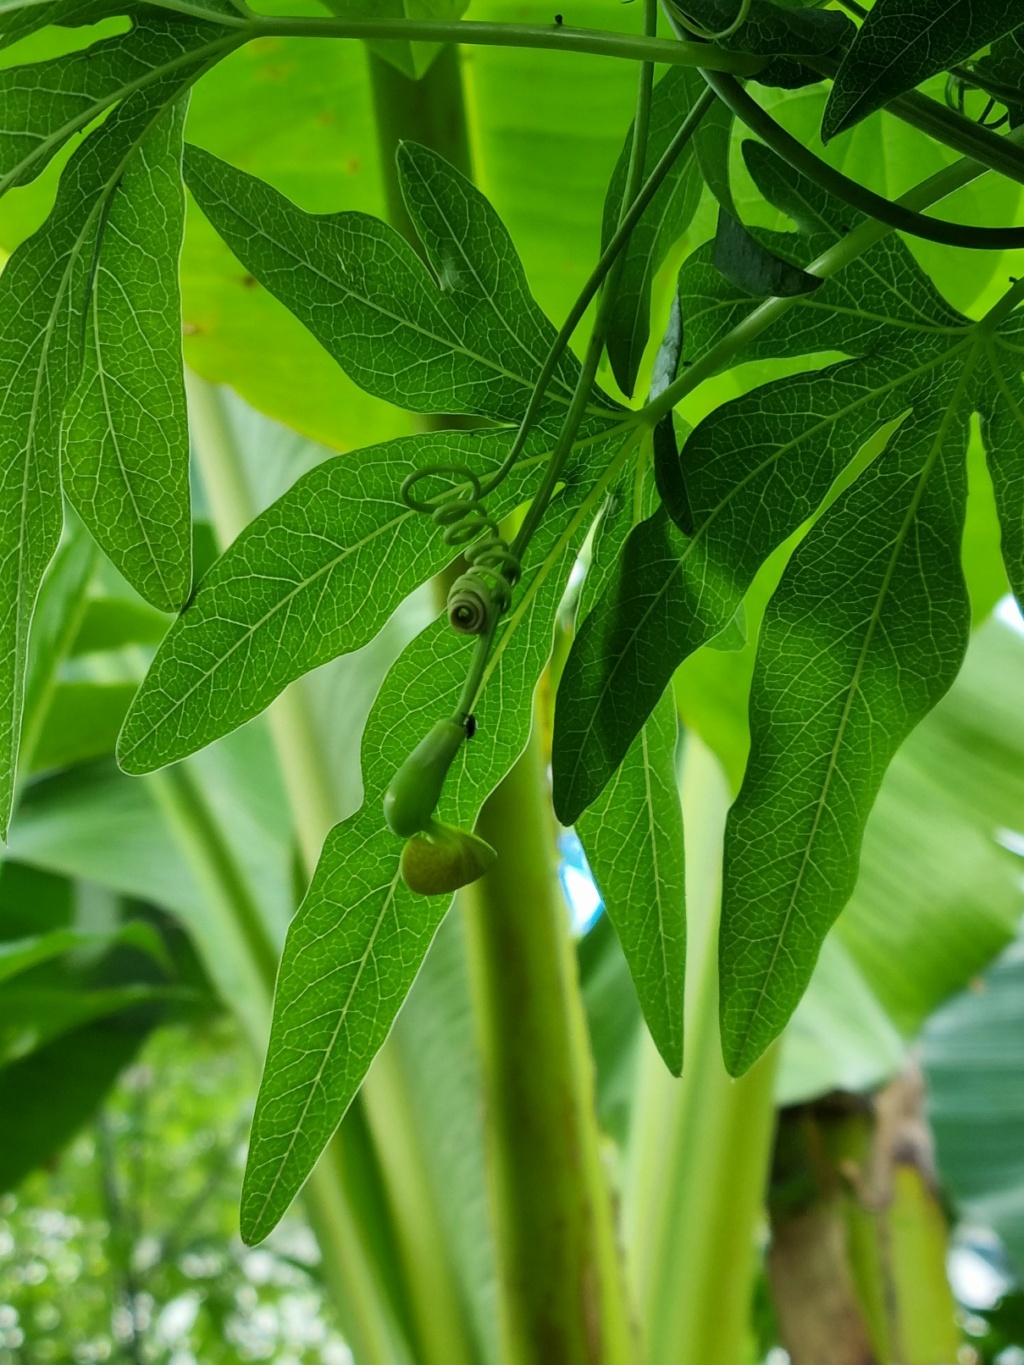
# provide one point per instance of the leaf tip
(744, 1045)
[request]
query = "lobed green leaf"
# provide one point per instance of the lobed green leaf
(866, 631)
(44, 291)
(471, 341)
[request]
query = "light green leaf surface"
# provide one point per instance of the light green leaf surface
(82, 722)
(59, 611)
(971, 1051)
(19, 955)
(134, 837)
(633, 838)
(937, 844)
(32, 1018)
(840, 1037)
(125, 458)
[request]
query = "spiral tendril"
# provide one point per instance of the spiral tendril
(478, 596)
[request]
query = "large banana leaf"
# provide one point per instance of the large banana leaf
(973, 1055)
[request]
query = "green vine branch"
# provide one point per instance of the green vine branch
(829, 263)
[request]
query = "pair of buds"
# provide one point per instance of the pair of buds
(437, 858)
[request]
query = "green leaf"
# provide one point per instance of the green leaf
(44, 104)
(748, 264)
(471, 343)
(139, 839)
(81, 723)
(753, 471)
(315, 576)
(19, 955)
(865, 633)
(125, 458)
(48, 1095)
(32, 1018)
(59, 610)
(633, 837)
(356, 943)
(903, 42)
(664, 222)
(116, 622)
(43, 293)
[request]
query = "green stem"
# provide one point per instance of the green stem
(430, 111)
(895, 214)
(562, 1296)
(181, 797)
(554, 37)
(595, 346)
(598, 275)
(699, 1152)
(438, 1307)
(829, 263)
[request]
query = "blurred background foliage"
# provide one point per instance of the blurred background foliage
(128, 1056)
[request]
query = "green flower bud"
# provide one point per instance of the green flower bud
(414, 791)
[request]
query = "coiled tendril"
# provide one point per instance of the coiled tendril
(479, 596)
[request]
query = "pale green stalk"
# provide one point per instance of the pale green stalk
(562, 1294)
(699, 1148)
